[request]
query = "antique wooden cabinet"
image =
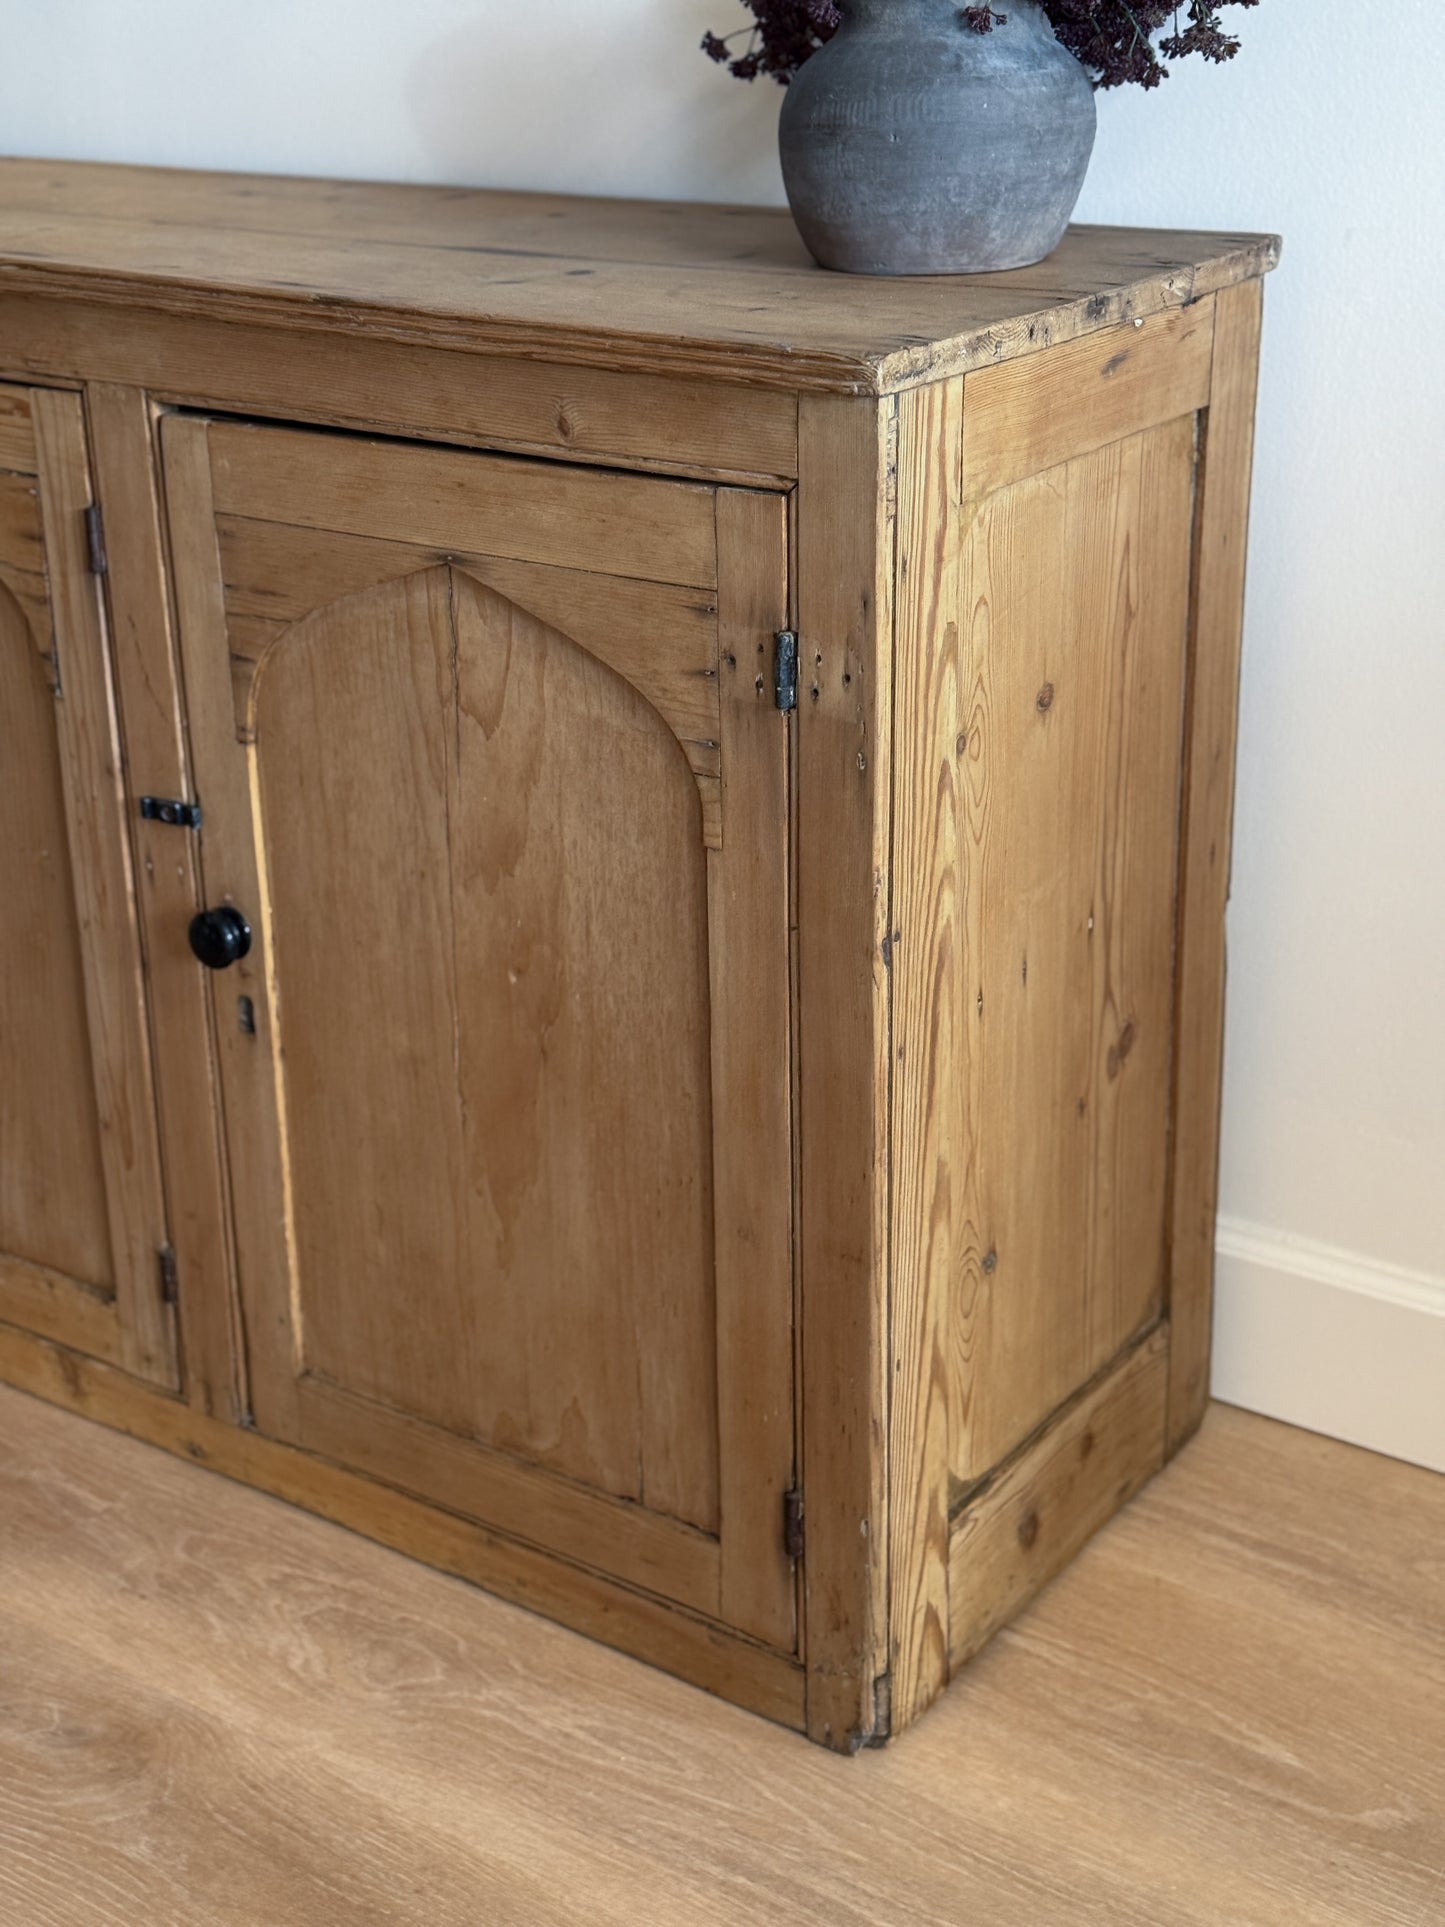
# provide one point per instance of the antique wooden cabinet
(613, 885)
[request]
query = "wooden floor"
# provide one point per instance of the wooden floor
(214, 1709)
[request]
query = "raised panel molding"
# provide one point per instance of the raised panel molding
(276, 576)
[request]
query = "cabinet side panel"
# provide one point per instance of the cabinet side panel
(1075, 588)
(927, 972)
(1213, 710)
(845, 563)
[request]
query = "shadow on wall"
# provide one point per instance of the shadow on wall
(498, 103)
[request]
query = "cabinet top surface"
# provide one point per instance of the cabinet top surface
(661, 287)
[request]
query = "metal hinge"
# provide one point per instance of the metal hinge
(793, 1539)
(785, 669)
(164, 809)
(95, 540)
(170, 1280)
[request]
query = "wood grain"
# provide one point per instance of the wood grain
(1027, 416)
(594, 1603)
(752, 1079)
(52, 1176)
(642, 1546)
(662, 424)
(927, 972)
(239, 998)
(528, 511)
(571, 280)
(31, 593)
(1029, 1519)
(659, 636)
(1216, 626)
(218, 1711)
(17, 436)
(574, 1303)
(22, 538)
(58, 1306)
(117, 1089)
(847, 452)
(168, 892)
(554, 1238)
(1074, 613)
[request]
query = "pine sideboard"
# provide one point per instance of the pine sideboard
(614, 872)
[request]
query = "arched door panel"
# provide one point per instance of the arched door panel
(507, 1107)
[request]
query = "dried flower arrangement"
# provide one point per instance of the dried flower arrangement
(1117, 41)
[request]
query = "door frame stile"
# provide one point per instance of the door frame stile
(88, 726)
(748, 916)
(847, 451)
(231, 874)
(124, 431)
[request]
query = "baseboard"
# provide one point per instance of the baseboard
(1330, 1340)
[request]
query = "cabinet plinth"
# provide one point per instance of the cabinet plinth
(725, 774)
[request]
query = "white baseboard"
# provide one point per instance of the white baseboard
(1330, 1340)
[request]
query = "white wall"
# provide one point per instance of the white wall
(1328, 128)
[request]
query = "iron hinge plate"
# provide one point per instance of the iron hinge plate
(793, 1536)
(170, 1278)
(95, 540)
(785, 669)
(165, 809)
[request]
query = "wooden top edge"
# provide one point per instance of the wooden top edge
(695, 290)
(1249, 258)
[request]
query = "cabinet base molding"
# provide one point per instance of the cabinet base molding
(664, 1636)
(1025, 1522)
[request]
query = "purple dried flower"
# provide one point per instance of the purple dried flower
(1119, 42)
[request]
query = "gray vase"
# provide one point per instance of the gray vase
(912, 144)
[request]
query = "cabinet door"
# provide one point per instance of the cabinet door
(82, 1221)
(492, 767)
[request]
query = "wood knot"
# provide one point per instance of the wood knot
(990, 1261)
(1028, 1529)
(1046, 699)
(1118, 1052)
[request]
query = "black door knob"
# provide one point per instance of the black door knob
(220, 937)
